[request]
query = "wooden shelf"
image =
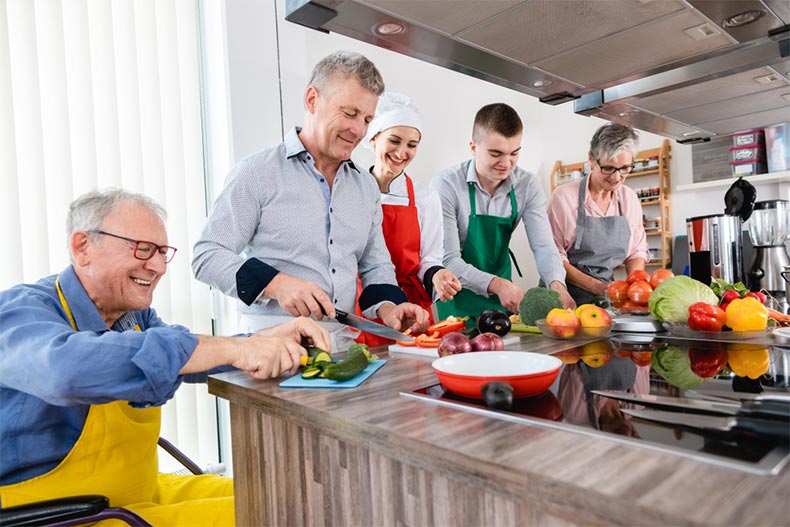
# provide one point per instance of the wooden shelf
(650, 172)
(664, 235)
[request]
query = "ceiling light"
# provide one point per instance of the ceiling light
(741, 19)
(693, 132)
(542, 83)
(627, 113)
(389, 28)
(766, 79)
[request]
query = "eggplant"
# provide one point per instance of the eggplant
(493, 321)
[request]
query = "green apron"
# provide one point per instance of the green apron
(486, 248)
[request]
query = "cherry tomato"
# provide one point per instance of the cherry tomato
(659, 275)
(639, 292)
(639, 274)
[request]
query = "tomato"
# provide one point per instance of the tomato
(659, 275)
(642, 358)
(428, 341)
(639, 274)
(448, 325)
(639, 292)
(617, 292)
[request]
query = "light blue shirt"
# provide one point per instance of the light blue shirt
(453, 189)
(51, 374)
(277, 214)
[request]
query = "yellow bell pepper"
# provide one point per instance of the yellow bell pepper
(748, 361)
(746, 314)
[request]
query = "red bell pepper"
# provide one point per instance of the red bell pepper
(448, 325)
(428, 341)
(707, 361)
(706, 317)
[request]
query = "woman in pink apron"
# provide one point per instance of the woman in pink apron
(412, 221)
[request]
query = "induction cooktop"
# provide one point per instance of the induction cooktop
(627, 364)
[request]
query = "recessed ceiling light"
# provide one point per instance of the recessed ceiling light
(741, 19)
(542, 83)
(693, 132)
(389, 28)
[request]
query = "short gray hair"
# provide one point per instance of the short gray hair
(346, 64)
(87, 212)
(611, 139)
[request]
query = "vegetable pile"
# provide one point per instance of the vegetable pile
(671, 300)
(633, 294)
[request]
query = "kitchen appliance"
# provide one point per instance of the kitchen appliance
(744, 425)
(716, 242)
(715, 248)
(685, 69)
(769, 229)
(567, 403)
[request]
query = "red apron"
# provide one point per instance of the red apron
(401, 228)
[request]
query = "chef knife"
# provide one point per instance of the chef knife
(777, 410)
(761, 427)
(369, 326)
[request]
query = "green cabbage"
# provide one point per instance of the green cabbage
(674, 365)
(671, 300)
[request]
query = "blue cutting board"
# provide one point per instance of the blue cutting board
(297, 382)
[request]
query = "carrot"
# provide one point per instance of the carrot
(778, 315)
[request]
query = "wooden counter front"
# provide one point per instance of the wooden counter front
(367, 456)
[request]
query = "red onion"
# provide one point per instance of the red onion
(488, 342)
(453, 343)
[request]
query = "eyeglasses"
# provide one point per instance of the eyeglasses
(145, 250)
(610, 170)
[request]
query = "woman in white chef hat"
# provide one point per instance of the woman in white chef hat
(412, 222)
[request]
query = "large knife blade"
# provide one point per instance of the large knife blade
(369, 326)
(767, 409)
(764, 428)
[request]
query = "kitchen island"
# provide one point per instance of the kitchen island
(368, 456)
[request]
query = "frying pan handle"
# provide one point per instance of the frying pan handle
(497, 394)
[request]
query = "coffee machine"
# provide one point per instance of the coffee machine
(716, 240)
(769, 230)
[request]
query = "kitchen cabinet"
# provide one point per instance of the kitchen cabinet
(650, 180)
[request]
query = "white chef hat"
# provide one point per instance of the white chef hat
(394, 109)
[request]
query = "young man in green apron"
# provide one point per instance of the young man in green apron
(483, 200)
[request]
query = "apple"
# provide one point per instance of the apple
(596, 354)
(563, 323)
(595, 321)
(570, 356)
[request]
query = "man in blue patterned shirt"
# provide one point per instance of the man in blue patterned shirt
(298, 222)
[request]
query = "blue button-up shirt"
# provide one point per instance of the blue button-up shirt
(277, 213)
(51, 374)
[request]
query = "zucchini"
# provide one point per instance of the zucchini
(321, 356)
(310, 373)
(354, 363)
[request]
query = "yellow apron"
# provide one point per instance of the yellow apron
(116, 456)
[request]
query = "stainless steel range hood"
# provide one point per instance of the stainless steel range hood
(685, 69)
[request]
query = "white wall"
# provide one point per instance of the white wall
(447, 100)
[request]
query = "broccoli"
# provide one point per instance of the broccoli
(537, 303)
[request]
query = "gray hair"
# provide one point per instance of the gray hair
(346, 64)
(87, 212)
(611, 139)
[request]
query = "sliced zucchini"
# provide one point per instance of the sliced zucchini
(311, 373)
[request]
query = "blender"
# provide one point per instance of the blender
(769, 229)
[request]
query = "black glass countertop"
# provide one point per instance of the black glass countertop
(729, 372)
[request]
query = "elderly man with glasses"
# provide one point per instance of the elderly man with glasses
(86, 365)
(597, 221)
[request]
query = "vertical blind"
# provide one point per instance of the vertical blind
(97, 94)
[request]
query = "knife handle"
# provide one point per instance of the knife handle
(765, 427)
(767, 409)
